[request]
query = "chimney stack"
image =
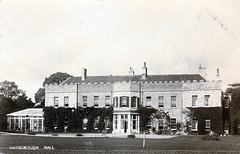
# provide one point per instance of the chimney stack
(218, 74)
(131, 72)
(203, 72)
(84, 73)
(144, 71)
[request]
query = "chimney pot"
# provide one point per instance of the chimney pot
(144, 71)
(84, 73)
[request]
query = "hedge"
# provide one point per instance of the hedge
(55, 119)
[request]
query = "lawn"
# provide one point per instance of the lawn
(229, 143)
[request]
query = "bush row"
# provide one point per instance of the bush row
(71, 119)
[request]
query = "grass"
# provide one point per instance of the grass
(228, 143)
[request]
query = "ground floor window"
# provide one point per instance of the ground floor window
(173, 123)
(115, 121)
(207, 125)
(23, 124)
(85, 120)
(134, 121)
(160, 124)
(194, 125)
(35, 124)
(16, 124)
(12, 124)
(95, 124)
(107, 123)
(40, 124)
(226, 125)
(124, 119)
(149, 124)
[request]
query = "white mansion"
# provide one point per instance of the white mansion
(171, 93)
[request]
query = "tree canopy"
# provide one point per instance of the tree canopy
(10, 90)
(234, 108)
(58, 77)
(11, 99)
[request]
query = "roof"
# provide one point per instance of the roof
(28, 112)
(137, 78)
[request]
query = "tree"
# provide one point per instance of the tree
(161, 115)
(144, 116)
(234, 107)
(11, 99)
(58, 77)
(10, 90)
(188, 118)
(23, 102)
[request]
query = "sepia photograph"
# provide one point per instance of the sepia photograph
(119, 76)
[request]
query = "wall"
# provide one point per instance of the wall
(54, 90)
(91, 90)
(200, 89)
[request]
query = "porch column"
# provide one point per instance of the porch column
(9, 123)
(31, 124)
(20, 122)
(138, 130)
(42, 124)
(119, 122)
(129, 124)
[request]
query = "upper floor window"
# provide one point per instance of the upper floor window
(66, 101)
(194, 100)
(206, 100)
(56, 102)
(133, 101)
(95, 101)
(107, 100)
(115, 101)
(148, 101)
(160, 101)
(84, 101)
(173, 101)
(124, 101)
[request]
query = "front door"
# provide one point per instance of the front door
(125, 126)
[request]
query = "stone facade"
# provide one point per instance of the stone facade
(171, 93)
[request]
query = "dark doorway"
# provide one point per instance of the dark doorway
(125, 127)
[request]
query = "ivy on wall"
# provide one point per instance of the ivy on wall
(71, 119)
(144, 116)
(214, 114)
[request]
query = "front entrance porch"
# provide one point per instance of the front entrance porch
(126, 123)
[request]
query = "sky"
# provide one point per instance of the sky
(41, 37)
